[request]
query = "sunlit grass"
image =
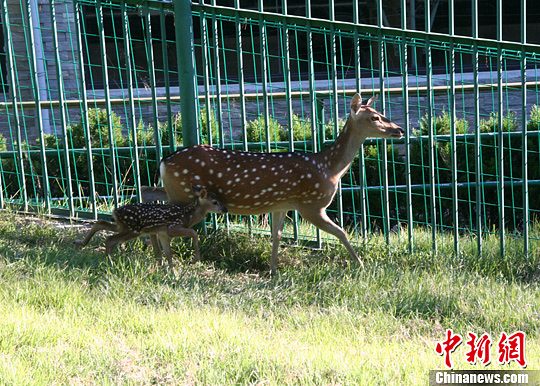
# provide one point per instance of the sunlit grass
(74, 316)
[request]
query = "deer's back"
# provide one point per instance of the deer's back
(247, 182)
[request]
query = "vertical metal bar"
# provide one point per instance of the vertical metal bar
(131, 118)
(361, 158)
(240, 60)
(477, 137)
(186, 71)
(61, 101)
(264, 69)
(501, 131)
(206, 67)
(12, 88)
(405, 79)
(386, 198)
(217, 75)
(39, 112)
(524, 165)
(84, 112)
(431, 142)
(106, 91)
(152, 79)
(287, 73)
(453, 145)
(165, 55)
(335, 106)
(312, 96)
(206, 80)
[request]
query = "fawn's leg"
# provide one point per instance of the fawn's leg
(277, 231)
(320, 219)
(98, 226)
(157, 249)
(149, 194)
(180, 231)
(119, 238)
(165, 242)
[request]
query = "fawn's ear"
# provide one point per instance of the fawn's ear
(196, 190)
(356, 104)
(372, 100)
(203, 193)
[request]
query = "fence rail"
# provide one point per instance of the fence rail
(93, 93)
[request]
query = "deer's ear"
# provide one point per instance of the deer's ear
(372, 100)
(203, 193)
(356, 104)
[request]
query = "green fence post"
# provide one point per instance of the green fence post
(524, 162)
(186, 70)
(11, 67)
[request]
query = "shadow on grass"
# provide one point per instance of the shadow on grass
(233, 274)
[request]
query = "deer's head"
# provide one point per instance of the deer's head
(370, 122)
(208, 201)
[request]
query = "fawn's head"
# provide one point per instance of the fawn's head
(370, 122)
(207, 200)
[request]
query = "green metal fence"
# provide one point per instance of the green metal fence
(90, 101)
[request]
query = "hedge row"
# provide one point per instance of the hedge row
(256, 132)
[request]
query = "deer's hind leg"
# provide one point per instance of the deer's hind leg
(98, 226)
(320, 219)
(278, 219)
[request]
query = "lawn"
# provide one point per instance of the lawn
(71, 316)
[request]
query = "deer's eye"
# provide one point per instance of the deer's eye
(375, 118)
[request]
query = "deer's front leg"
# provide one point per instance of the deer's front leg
(277, 230)
(320, 219)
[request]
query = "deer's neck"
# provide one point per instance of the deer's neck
(340, 155)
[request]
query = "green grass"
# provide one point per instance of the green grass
(74, 316)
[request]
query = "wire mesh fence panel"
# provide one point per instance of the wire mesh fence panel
(90, 102)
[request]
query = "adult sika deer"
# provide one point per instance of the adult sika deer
(255, 183)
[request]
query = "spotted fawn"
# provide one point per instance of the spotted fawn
(164, 221)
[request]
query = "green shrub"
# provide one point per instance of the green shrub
(3, 143)
(491, 125)
(534, 119)
(420, 150)
(256, 130)
(99, 130)
(441, 125)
